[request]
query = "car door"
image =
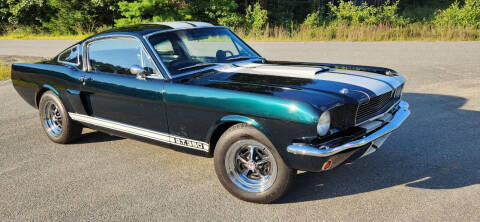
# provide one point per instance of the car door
(114, 94)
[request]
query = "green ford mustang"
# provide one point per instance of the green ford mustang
(200, 87)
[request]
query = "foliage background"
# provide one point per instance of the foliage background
(254, 19)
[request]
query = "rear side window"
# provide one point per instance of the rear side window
(70, 56)
(114, 55)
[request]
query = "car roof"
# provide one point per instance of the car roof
(145, 29)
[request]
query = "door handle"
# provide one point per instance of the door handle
(83, 79)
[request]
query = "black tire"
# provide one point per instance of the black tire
(68, 131)
(245, 136)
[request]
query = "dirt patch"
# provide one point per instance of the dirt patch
(6, 62)
(8, 59)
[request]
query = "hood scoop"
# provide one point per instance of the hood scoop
(323, 69)
(377, 84)
(278, 70)
(289, 70)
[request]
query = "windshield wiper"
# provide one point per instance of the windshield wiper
(198, 65)
(238, 58)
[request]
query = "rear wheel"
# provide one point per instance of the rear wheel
(249, 167)
(55, 120)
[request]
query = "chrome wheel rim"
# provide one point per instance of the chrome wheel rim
(52, 120)
(251, 166)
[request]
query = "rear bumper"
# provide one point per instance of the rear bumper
(374, 139)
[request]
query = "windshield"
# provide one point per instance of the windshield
(186, 50)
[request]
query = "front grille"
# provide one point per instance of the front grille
(374, 107)
(343, 116)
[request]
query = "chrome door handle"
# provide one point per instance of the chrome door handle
(83, 79)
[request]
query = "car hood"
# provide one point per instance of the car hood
(323, 87)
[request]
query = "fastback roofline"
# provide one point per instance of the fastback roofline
(184, 24)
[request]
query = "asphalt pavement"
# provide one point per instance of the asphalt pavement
(428, 170)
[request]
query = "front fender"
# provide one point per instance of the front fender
(235, 119)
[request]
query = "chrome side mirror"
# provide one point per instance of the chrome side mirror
(140, 72)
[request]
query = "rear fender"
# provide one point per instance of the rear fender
(65, 98)
(43, 88)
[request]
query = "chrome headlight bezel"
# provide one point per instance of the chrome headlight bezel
(398, 92)
(323, 124)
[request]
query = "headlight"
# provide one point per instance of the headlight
(398, 92)
(323, 123)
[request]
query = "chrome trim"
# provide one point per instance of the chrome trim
(251, 166)
(377, 116)
(193, 72)
(170, 76)
(86, 62)
(142, 132)
(164, 68)
(358, 106)
(392, 95)
(70, 63)
(52, 120)
(364, 93)
(147, 36)
(400, 116)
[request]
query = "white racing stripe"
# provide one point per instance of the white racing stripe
(374, 85)
(175, 25)
(184, 24)
(142, 132)
(379, 84)
(394, 81)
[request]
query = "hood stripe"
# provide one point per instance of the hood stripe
(377, 87)
(364, 76)
(376, 83)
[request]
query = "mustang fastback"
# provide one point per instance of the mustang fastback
(199, 87)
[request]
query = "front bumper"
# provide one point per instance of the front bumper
(375, 138)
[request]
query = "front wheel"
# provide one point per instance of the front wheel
(249, 167)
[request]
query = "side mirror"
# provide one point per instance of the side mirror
(140, 72)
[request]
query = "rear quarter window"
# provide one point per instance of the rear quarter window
(69, 56)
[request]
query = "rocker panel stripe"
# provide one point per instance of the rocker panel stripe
(142, 132)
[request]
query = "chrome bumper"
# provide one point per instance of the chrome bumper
(401, 115)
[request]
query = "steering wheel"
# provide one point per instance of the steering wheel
(228, 52)
(221, 55)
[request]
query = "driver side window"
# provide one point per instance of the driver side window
(117, 55)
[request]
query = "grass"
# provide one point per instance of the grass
(5, 71)
(410, 32)
(42, 37)
(6, 64)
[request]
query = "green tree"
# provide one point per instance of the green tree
(222, 12)
(256, 18)
(81, 16)
(23, 13)
(145, 11)
(348, 13)
(314, 19)
(467, 14)
(4, 14)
